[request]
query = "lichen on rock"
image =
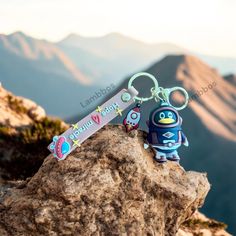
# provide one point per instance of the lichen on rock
(110, 185)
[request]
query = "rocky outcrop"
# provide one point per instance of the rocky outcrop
(199, 224)
(17, 111)
(109, 186)
(25, 132)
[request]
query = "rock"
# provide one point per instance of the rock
(23, 149)
(199, 224)
(110, 185)
(25, 132)
(35, 112)
(18, 111)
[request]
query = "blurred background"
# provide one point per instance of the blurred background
(70, 56)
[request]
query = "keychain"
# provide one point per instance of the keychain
(64, 144)
(164, 124)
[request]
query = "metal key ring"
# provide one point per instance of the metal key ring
(168, 91)
(149, 76)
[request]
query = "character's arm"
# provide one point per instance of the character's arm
(184, 139)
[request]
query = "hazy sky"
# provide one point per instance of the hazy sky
(207, 26)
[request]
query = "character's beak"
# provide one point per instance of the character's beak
(166, 121)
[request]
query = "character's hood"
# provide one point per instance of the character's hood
(163, 108)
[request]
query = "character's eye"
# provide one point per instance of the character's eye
(162, 115)
(170, 114)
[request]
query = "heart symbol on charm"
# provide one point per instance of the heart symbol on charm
(96, 118)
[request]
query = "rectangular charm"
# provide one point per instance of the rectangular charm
(64, 144)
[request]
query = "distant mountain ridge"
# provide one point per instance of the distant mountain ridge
(29, 48)
(39, 70)
(117, 41)
(231, 78)
(113, 45)
(76, 67)
(113, 56)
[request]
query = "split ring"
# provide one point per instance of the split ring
(168, 91)
(150, 77)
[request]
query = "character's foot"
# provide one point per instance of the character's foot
(173, 158)
(160, 159)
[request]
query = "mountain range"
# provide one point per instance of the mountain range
(38, 69)
(113, 56)
(77, 67)
(118, 55)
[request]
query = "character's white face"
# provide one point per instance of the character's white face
(133, 117)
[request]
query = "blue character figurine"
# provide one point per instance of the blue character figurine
(165, 133)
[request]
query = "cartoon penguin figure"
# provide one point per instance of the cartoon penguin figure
(165, 133)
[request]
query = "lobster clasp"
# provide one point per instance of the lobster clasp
(166, 93)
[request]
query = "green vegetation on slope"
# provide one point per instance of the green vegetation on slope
(16, 104)
(23, 150)
(201, 224)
